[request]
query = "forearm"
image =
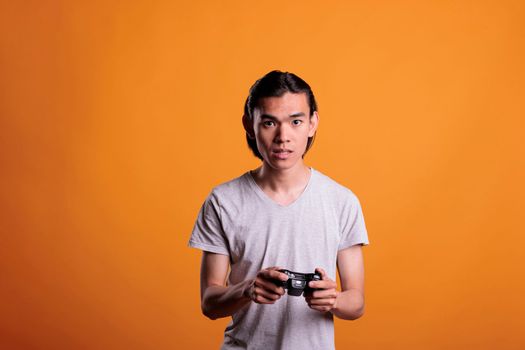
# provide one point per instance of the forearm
(221, 301)
(349, 305)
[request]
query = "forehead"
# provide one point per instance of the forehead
(288, 103)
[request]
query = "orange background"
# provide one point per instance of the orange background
(117, 119)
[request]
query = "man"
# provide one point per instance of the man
(282, 215)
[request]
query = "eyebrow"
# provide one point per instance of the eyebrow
(294, 115)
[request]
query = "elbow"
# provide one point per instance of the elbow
(210, 315)
(358, 313)
(351, 315)
(355, 308)
(207, 312)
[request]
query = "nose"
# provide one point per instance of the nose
(283, 134)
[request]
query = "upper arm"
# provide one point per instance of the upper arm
(214, 270)
(351, 268)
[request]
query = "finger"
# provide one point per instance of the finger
(273, 274)
(324, 294)
(269, 286)
(323, 284)
(273, 268)
(259, 299)
(321, 308)
(321, 297)
(261, 295)
(321, 302)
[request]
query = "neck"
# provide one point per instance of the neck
(282, 180)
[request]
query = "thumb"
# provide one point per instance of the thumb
(322, 272)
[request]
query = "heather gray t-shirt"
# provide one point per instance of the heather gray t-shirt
(239, 220)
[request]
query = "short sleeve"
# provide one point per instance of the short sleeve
(353, 228)
(208, 233)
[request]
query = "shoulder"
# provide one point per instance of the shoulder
(231, 199)
(233, 187)
(232, 195)
(334, 189)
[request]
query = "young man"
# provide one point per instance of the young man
(282, 215)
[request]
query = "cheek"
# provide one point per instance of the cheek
(265, 136)
(263, 141)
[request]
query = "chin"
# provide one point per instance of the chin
(282, 165)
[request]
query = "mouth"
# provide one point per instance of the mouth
(281, 153)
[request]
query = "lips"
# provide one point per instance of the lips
(281, 153)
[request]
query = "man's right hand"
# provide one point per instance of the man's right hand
(264, 289)
(218, 299)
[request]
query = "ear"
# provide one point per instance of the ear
(314, 123)
(248, 126)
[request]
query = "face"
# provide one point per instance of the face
(282, 126)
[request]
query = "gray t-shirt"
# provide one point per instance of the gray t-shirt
(239, 220)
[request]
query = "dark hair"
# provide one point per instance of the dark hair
(276, 84)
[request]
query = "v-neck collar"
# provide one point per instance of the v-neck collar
(267, 198)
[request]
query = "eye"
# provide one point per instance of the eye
(268, 123)
(297, 122)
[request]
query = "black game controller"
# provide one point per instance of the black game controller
(298, 282)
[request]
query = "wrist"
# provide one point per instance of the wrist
(335, 306)
(247, 291)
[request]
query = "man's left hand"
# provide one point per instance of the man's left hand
(324, 299)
